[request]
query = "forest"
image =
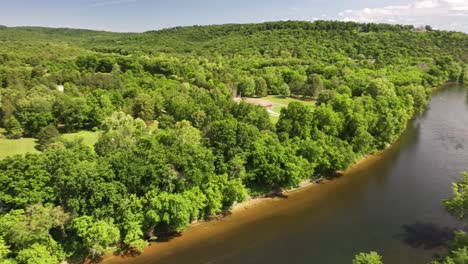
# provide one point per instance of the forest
(174, 147)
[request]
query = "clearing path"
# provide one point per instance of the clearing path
(274, 104)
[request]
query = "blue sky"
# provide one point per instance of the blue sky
(142, 15)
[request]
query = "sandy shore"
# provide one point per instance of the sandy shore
(305, 184)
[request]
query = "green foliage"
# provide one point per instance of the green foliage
(171, 210)
(261, 88)
(295, 121)
(246, 87)
(36, 254)
(458, 204)
(4, 250)
(96, 236)
(25, 181)
(13, 128)
(29, 231)
(284, 90)
(314, 85)
(47, 136)
(464, 76)
(174, 146)
(132, 222)
(120, 131)
(459, 256)
(367, 258)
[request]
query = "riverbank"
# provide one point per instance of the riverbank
(260, 212)
(361, 162)
(255, 210)
(251, 210)
(389, 202)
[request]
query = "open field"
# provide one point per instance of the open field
(10, 147)
(279, 100)
(89, 138)
(275, 103)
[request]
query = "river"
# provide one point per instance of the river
(390, 203)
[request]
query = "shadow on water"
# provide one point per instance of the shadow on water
(427, 236)
(167, 236)
(129, 252)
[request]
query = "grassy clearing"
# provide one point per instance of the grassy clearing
(277, 108)
(274, 119)
(89, 138)
(277, 103)
(279, 100)
(10, 147)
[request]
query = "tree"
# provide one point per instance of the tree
(458, 204)
(4, 250)
(198, 199)
(458, 256)
(295, 121)
(30, 229)
(34, 122)
(144, 107)
(87, 63)
(134, 236)
(214, 197)
(36, 111)
(171, 210)
(260, 87)
(206, 151)
(314, 85)
(25, 181)
(13, 128)
(72, 112)
(381, 87)
(36, 254)
(47, 136)
(367, 258)
(272, 165)
(327, 120)
(284, 90)
(120, 131)
(132, 223)
(96, 236)
(246, 87)
(295, 81)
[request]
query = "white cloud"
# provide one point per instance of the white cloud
(110, 3)
(437, 12)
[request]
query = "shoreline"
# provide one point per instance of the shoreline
(308, 183)
(268, 199)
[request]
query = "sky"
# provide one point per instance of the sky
(144, 15)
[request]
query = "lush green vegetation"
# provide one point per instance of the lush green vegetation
(280, 102)
(89, 138)
(173, 145)
(10, 147)
(367, 258)
(458, 206)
